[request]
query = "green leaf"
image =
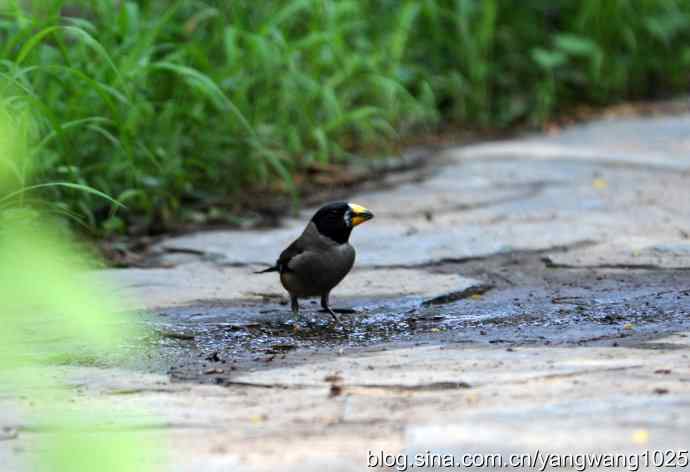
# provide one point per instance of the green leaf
(548, 60)
(576, 45)
(207, 86)
(82, 188)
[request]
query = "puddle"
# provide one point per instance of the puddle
(527, 304)
(212, 342)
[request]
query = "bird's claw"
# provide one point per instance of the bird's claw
(332, 313)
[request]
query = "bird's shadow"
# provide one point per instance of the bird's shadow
(340, 311)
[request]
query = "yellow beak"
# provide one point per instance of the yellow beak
(359, 214)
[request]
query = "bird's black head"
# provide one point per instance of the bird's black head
(336, 220)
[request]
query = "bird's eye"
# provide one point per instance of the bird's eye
(347, 217)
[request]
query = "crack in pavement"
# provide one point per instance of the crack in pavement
(582, 244)
(559, 265)
(517, 253)
(566, 375)
(425, 387)
(342, 387)
(532, 190)
(454, 296)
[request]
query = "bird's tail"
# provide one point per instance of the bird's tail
(270, 269)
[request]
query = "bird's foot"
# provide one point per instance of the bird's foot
(338, 311)
(335, 317)
(328, 310)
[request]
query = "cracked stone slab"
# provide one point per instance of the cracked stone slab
(630, 252)
(434, 365)
(601, 398)
(593, 205)
(592, 183)
(198, 282)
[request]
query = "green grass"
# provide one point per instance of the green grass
(165, 105)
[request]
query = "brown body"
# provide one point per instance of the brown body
(315, 264)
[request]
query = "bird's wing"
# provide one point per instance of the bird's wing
(323, 264)
(313, 255)
(287, 256)
(306, 245)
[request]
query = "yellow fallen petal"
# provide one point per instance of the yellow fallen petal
(476, 296)
(256, 419)
(472, 398)
(600, 184)
(640, 437)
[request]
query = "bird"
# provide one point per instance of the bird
(321, 257)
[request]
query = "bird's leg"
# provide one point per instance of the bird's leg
(324, 305)
(294, 302)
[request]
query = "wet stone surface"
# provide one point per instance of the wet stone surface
(522, 302)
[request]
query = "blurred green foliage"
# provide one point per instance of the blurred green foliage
(162, 104)
(52, 312)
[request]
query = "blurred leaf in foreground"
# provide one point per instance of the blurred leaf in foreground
(49, 312)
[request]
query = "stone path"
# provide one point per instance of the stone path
(521, 295)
